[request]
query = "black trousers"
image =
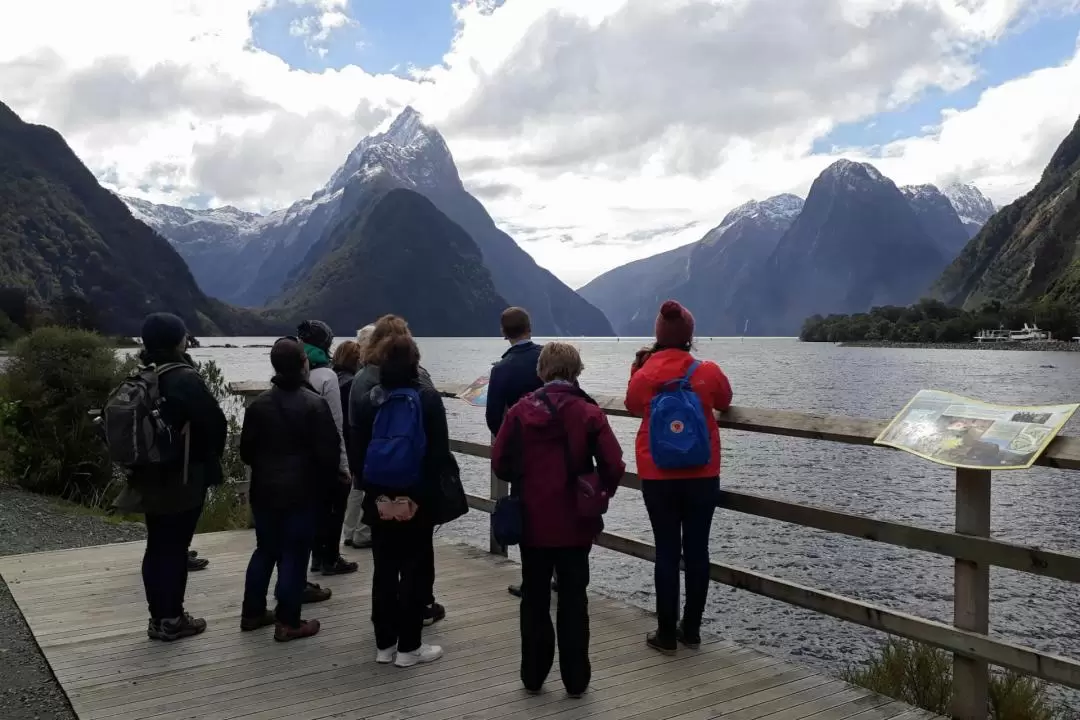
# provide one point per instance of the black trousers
(164, 565)
(400, 582)
(571, 630)
(327, 546)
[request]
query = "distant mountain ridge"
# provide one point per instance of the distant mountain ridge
(62, 234)
(971, 205)
(939, 218)
(262, 257)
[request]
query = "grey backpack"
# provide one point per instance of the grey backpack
(135, 432)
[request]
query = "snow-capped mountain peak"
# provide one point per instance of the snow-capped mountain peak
(971, 205)
(777, 210)
(851, 172)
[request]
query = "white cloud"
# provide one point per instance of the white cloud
(596, 132)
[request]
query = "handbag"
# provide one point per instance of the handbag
(507, 521)
(452, 502)
(591, 499)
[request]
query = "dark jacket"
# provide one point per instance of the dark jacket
(363, 383)
(511, 379)
(345, 380)
(529, 453)
(437, 459)
(291, 443)
(187, 401)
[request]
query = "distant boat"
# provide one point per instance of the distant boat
(1029, 333)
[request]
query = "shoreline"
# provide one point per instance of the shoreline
(1058, 346)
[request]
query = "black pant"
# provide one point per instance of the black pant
(681, 514)
(427, 570)
(400, 585)
(283, 539)
(165, 562)
(572, 617)
(327, 547)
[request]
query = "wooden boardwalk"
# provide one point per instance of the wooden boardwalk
(87, 612)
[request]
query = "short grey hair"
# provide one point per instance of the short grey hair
(363, 336)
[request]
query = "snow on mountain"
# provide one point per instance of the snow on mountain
(227, 226)
(971, 205)
(854, 173)
(779, 209)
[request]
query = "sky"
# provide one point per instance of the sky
(594, 132)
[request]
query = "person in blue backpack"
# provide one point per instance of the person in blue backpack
(678, 461)
(400, 445)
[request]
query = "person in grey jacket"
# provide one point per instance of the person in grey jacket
(366, 380)
(357, 534)
(317, 338)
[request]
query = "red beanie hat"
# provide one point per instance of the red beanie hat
(674, 325)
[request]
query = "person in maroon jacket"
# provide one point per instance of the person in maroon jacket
(557, 539)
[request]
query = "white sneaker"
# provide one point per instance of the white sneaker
(423, 654)
(385, 657)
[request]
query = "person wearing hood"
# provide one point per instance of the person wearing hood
(172, 495)
(292, 446)
(559, 421)
(317, 338)
(678, 461)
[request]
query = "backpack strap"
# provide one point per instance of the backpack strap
(571, 473)
(690, 371)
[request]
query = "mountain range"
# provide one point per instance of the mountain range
(857, 241)
(62, 236)
(254, 260)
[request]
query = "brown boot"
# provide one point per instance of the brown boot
(306, 628)
(249, 624)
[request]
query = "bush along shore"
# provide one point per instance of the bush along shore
(1030, 346)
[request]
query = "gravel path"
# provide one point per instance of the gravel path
(31, 523)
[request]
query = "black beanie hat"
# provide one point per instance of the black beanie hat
(317, 333)
(163, 331)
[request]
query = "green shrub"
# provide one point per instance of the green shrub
(921, 675)
(52, 380)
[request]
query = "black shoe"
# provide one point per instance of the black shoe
(434, 613)
(193, 553)
(691, 640)
(248, 624)
(341, 566)
(514, 590)
(316, 565)
(194, 564)
(315, 594)
(656, 641)
(169, 630)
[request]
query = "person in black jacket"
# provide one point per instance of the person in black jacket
(291, 442)
(171, 499)
(401, 547)
(514, 376)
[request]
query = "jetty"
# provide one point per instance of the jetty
(109, 669)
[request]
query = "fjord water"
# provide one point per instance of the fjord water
(1038, 506)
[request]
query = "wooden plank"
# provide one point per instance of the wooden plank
(766, 703)
(971, 596)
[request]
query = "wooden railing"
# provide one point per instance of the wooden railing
(970, 545)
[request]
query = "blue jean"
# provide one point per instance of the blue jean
(283, 539)
(681, 514)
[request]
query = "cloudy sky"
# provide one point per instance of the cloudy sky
(595, 131)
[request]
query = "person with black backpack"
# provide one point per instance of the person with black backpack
(400, 445)
(167, 433)
(291, 443)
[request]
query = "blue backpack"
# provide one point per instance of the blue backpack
(678, 430)
(395, 456)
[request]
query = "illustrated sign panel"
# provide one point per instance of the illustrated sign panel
(961, 432)
(476, 394)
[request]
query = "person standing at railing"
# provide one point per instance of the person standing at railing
(400, 446)
(547, 440)
(357, 534)
(367, 379)
(291, 443)
(513, 376)
(678, 461)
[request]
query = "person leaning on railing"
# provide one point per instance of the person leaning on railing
(678, 461)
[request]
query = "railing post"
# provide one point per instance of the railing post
(971, 595)
(499, 489)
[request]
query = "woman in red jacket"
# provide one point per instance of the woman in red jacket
(680, 488)
(546, 435)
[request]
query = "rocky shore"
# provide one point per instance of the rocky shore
(1048, 346)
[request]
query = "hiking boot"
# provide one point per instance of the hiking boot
(422, 654)
(315, 594)
(179, 628)
(658, 642)
(194, 564)
(689, 639)
(433, 613)
(287, 633)
(514, 590)
(316, 565)
(387, 656)
(341, 566)
(193, 553)
(257, 622)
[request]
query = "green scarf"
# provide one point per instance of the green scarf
(316, 356)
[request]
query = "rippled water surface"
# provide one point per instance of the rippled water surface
(1039, 506)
